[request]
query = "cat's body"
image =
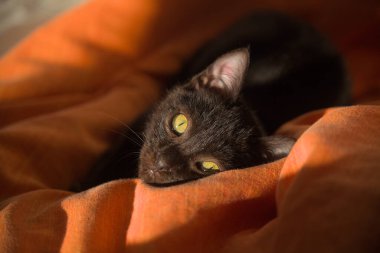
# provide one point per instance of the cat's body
(293, 68)
(219, 117)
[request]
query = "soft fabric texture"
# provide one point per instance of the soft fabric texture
(65, 90)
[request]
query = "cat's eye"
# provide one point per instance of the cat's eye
(208, 166)
(179, 124)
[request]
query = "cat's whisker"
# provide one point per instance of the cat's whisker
(127, 155)
(137, 135)
(125, 125)
(133, 131)
(128, 137)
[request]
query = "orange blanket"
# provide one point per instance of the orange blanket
(65, 89)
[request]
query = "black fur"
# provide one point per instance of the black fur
(221, 128)
(293, 70)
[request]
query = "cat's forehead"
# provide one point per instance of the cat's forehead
(194, 102)
(208, 113)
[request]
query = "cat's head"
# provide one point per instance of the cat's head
(203, 127)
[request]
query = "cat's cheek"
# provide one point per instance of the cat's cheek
(145, 163)
(148, 176)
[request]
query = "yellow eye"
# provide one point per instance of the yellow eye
(179, 124)
(209, 166)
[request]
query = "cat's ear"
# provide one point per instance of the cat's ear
(276, 147)
(226, 74)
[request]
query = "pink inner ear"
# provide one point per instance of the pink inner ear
(225, 76)
(229, 69)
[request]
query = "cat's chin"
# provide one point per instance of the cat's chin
(168, 184)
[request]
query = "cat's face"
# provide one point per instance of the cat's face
(194, 134)
(202, 127)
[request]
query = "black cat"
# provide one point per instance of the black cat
(232, 100)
